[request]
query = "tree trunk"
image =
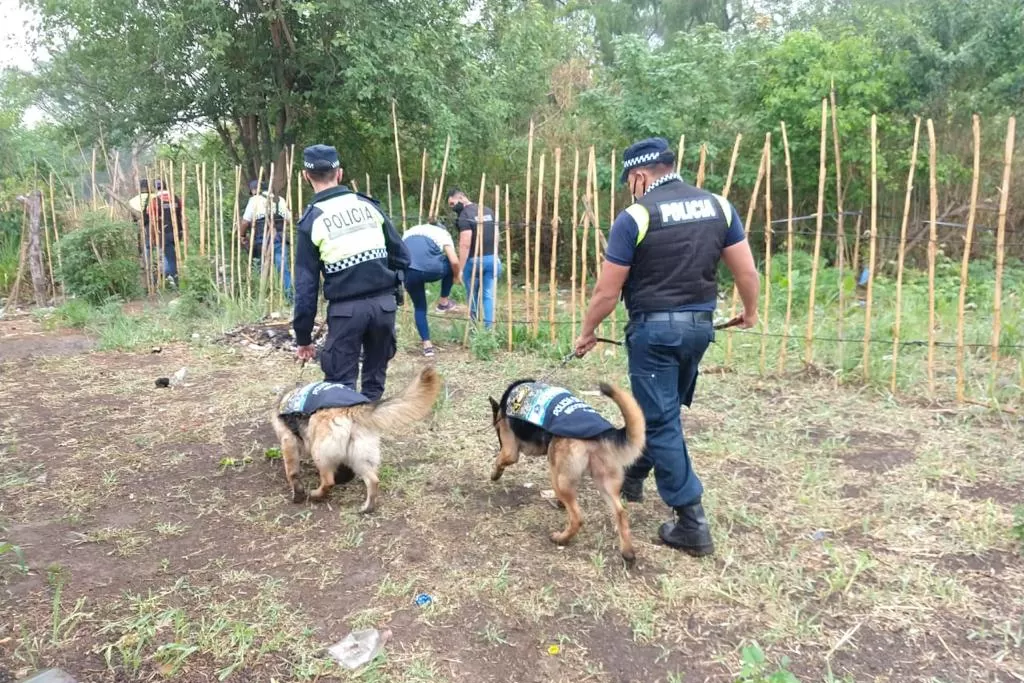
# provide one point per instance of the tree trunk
(34, 202)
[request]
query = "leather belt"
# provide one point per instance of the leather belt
(673, 316)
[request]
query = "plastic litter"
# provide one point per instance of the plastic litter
(554, 650)
(178, 378)
(50, 676)
(359, 647)
(423, 599)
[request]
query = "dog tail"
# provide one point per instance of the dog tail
(631, 439)
(412, 405)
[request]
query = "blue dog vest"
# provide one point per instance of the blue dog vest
(319, 395)
(555, 410)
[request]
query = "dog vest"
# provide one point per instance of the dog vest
(320, 395)
(555, 410)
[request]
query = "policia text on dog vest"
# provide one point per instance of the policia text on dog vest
(555, 410)
(319, 396)
(681, 233)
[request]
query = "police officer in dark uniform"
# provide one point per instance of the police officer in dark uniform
(662, 256)
(346, 237)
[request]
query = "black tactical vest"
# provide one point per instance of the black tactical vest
(675, 263)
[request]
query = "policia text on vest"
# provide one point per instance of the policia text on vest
(344, 237)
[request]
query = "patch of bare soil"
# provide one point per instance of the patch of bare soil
(25, 338)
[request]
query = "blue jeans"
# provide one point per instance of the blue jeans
(170, 257)
(416, 284)
(280, 251)
(663, 360)
(491, 268)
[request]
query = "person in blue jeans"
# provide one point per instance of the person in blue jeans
(662, 256)
(471, 219)
(433, 258)
(254, 217)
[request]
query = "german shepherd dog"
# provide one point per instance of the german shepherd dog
(348, 439)
(605, 457)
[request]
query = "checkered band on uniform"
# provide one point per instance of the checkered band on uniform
(662, 180)
(355, 260)
(642, 160)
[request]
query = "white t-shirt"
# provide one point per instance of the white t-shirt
(438, 236)
(256, 208)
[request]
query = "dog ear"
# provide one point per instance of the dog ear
(494, 406)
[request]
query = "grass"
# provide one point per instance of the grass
(857, 535)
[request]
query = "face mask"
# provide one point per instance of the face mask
(458, 207)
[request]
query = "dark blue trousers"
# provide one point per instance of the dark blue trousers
(366, 325)
(663, 360)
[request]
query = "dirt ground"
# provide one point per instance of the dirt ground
(857, 539)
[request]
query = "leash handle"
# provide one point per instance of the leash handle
(733, 322)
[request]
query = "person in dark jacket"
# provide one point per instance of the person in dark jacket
(662, 258)
(471, 220)
(344, 236)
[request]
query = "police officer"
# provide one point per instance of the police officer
(662, 255)
(346, 237)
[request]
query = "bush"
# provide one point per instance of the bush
(100, 259)
(198, 289)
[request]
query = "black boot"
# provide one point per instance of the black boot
(690, 532)
(633, 489)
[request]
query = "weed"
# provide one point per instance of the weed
(1017, 530)
(484, 345)
(757, 670)
(8, 548)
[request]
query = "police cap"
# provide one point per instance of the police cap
(320, 158)
(646, 153)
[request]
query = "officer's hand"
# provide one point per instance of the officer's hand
(748, 320)
(585, 343)
(305, 353)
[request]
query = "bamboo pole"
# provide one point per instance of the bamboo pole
(968, 241)
(700, 165)
(611, 219)
(789, 249)
(174, 218)
(200, 196)
(872, 250)
(595, 209)
(94, 191)
(477, 269)
(750, 216)
(497, 224)
(840, 233)
(508, 266)
(236, 236)
(432, 217)
(586, 235)
(440, 186)
(288, 228)
(575, 227)
(184, 216)
(423, 181)
(218, 217)
(554, 245)
(213, 226)
(113, 183)
(398, 161)
(252, 235)
(679, 158)
(526, 220)
(46, 240)
(809, 339)
(391, 207)
(536, 246)
(732, 166)
(299, 208)
(932, 247)
(767, 247)
(368, 192)
(902, 255)
(269, 230)
(1004, 197)
(56, 235)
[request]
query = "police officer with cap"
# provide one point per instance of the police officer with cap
(662, 257)
(344, 236)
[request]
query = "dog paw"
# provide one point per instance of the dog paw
(629, 557)
(496, 474)
(317, 496)
(366, 510)
(559, 538)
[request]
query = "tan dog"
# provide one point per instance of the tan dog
(349, 437)
(605, 454)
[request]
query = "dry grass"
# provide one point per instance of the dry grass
(858, 538)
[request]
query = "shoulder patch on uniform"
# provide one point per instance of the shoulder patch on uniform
(726, 208)
(642, 218)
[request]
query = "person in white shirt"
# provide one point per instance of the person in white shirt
(255, 216)
(432, 251)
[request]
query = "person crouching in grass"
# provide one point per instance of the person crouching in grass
(433, 258)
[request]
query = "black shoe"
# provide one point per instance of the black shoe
(633, 490)
(690, 532)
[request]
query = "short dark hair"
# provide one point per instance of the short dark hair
(144, 185)
(322, 176)
(455, 191)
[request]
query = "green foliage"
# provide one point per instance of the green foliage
(484, 344)
(100, 259)
(198, 291)
(1017, 530)
(76, 313)
(757, 670)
